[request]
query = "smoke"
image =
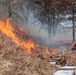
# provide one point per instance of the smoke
(34, 28)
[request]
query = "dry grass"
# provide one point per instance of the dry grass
(14, 60)
(71, 58)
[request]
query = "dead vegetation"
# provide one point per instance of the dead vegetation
(14, 60)
(71, 58)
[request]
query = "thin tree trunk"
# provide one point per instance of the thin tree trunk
(73, 23)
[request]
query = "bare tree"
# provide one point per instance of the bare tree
(47, 12)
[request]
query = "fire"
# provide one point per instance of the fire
(46, 51)
(53, 52)
(22, 32)
(9, 30)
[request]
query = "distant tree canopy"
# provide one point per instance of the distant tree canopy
(47, 12)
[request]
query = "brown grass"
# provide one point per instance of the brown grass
(71, 57)
(14, 60)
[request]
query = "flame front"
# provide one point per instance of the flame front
(8, 30)
(54, 52)
(46, 51)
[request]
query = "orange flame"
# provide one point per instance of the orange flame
(8, 30)
(46, 51)
(53, 52)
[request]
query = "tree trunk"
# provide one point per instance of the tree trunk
(73, 12)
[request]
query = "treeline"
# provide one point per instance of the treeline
(47, 12)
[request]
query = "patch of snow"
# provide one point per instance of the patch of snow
(67, 67)
(64, 72)
(53, 63)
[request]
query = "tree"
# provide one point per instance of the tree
(47, 12)
(73, 20)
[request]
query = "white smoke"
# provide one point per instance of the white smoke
(62, 34)
(34, 28)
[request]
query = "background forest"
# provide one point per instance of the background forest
(52, 16)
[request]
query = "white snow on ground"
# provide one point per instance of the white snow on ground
(64, 72)
(67, 67)
(53, 63)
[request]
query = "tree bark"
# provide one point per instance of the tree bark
(73, 20)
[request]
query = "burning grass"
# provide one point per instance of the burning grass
(33, 60)
(7, 29)
(14, 60)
